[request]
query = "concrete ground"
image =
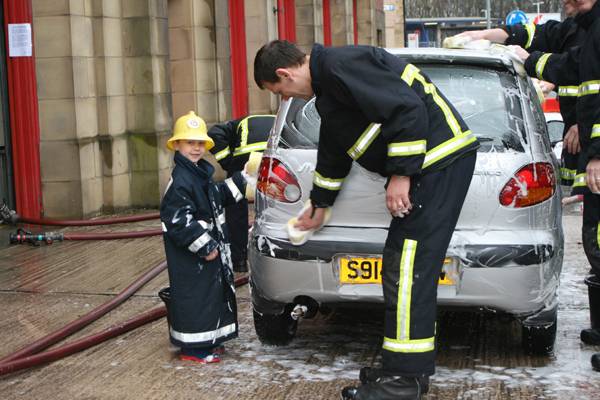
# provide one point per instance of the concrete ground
(43, 288)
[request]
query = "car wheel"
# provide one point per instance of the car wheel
(276, 330)
(538, 339)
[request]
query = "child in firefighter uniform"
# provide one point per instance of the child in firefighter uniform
(202, 307)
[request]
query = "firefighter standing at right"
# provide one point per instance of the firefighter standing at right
(581, 67)
(550, 37)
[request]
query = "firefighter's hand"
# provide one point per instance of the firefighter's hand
(309, 221)
(213, 254)
(592, 176)
(520, 52)
(396, 197)
(571, 140)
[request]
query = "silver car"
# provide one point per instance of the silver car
(506, 252)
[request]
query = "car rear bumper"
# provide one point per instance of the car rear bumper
(513, 272)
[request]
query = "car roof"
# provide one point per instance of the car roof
(496, 56)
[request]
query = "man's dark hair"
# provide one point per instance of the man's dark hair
(273, 55)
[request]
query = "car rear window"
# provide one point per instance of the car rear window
(487, 99)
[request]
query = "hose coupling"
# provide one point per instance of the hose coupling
(35, 239)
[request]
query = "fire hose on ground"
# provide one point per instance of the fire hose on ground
(26, 357)
(22, 236)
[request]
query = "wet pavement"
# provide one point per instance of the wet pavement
(43, 288)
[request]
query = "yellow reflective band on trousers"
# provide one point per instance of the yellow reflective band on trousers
(589, 87)
(530, 34)
(409, 75)
(595, 131)
(364, 141)
(407, 148)
(541, 64)
(448, 147)
(327, 183)
(566, 173)
(222, 154)
(258, 146)
(403, 343)
(598, 235)
(579, 180)
(568, 91)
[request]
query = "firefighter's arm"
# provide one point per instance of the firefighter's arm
(224, 136)
(520, 35)
(177, 216)
(333, 165)
(560, 68)
(232, 189)
(589, 95)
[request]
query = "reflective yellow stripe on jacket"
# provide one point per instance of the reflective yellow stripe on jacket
(410, 74)
(530, 28)
(568, 91)
(579, 180)
(364, 141)
(567, 174)
(244, 147)
(595, 131)
(589, 87)
(540, 65)
(222, 154)
(407, 148)
(327, 183)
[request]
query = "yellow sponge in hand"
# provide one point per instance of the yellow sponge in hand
(298, 237)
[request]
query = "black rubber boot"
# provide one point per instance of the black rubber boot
(386, 388)
(590, 336)
(596, 362)
(370, 375)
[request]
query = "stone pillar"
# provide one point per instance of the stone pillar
(394, 24)
(342, 32)
(307, 15)
(148, 98)
(260, 29)
(371, 22)
(70, 168)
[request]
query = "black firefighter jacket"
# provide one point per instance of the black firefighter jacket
(579, 67)
(236, 139)
(554, 37)
(382, 113)
(202, 309)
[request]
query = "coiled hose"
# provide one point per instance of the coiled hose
(91, 340)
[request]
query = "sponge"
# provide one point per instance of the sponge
(251, 173)
(298, 237)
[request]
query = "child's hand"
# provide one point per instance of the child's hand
(213, 254)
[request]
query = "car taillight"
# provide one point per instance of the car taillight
(531, 185)
(276, 181)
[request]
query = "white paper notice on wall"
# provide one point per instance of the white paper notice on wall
(19, 40)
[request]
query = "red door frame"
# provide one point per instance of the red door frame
(355, 21)
(286, 20)
(239, 63)
(24, 120)
(326, 23)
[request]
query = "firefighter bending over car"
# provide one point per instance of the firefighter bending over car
(234, 141)
(387, 116)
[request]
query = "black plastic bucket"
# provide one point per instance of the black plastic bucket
(593, 284)
(165, 296)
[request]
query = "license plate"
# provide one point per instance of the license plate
(357, 270)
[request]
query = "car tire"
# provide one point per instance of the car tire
(275, 330)
(538, 339)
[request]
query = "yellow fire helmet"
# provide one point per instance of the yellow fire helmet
(190, 127)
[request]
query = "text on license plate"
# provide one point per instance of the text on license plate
(368, 270)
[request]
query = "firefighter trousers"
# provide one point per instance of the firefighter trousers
(413, 257)
(236, 217)
(590, 230)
